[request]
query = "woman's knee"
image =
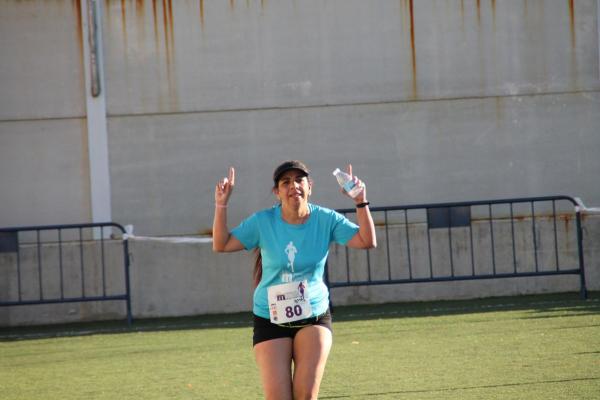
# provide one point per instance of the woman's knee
(311, 350)
(274, 358)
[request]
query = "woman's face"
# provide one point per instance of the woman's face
(293, 188)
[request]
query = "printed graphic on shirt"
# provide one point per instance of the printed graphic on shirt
(287, 275)
(291, 251)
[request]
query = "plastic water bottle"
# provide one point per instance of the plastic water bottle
(347, 183)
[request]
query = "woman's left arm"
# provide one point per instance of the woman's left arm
(365, 238)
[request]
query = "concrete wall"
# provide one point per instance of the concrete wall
(431, 101)
(190, 56)
(164, 167)
(180, 277)
(44, 172)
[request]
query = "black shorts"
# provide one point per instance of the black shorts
(265, 330)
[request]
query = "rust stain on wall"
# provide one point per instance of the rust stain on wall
(168, 23)
(77, 6)
(140, 21)
(572, 22)
(79, 34)
(567, 220)
(574, 77)
(124, 16)
(407, 21)
(166, 31)
(170, 9)
(171, 28)
(124, 24)
(155, 21)
(201, 6)
(413, 50)
(123, 4)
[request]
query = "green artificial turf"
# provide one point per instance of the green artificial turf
(534, 347)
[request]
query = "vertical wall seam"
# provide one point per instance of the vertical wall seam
(97, 131)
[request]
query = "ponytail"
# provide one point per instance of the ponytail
(257, 273)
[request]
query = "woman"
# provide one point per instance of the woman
(292, 322)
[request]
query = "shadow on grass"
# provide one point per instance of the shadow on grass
(453, 389)
(543, 305)
(237, 320)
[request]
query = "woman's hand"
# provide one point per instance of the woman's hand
(362, 196)
(222, 239)
(224, 188)
(366, 237)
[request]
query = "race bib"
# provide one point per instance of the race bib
(289, 302)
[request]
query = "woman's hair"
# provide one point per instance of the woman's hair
(257, 273)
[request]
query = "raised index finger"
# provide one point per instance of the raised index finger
(349, 169)
(231, 176)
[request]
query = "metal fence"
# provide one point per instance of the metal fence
(64, 264)
(489, 239)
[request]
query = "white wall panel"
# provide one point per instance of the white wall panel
(41, 70)
(164, 167)
(44, 172)
(211, 55)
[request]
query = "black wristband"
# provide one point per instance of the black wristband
(362, 205)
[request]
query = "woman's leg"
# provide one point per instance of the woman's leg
(311, 349)
(274, 359)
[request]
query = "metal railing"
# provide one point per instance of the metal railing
(488, 239)
(64, 264)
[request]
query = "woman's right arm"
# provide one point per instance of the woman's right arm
(223, 241)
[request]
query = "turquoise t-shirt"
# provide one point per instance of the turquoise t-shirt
(297, 249)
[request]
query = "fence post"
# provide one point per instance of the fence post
(127, 285)
(582, 288)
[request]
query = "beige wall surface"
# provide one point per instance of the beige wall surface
(164, 167)
(432, 101)
(44, 172)
(190, 56)
(41, 72)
